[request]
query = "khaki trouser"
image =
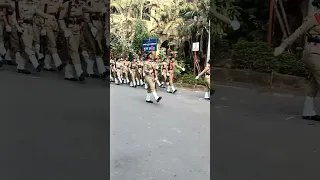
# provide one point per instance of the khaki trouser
(133, 74)
(14, 38)
(313, 64)
(139, 74)
(164, 76)
(36, 30)
(151, 83)
(98, 39)
(83, 31)
(125, 73)
(171, 74)
(2, 48)
(51, 28)
(74, 43)
(207, 79)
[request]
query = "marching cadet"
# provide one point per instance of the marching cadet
(172, 65)
(311, 56)
(3, 26)
(125, 70)
(70, 24)
(133, 72)
(164, 73)
(149, 72)
(13, 40)
(84, 46)
(38, 23)
(140, 72)
(24, 25)
(50, 30)
(206, 71)
(97, 30)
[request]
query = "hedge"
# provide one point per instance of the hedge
(258, 56)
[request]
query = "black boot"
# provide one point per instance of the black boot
(24, 71)
(81, 77)
(92, 76)
(39, 68)
(314, 118)
(11, 63)
(50, 69)
(61, 66)
(159, 98)
(70, 79)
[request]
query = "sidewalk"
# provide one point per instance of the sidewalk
(272, 82)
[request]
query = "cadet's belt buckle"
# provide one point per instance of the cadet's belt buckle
(20, 21)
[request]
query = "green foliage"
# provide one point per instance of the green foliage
(191, 79)
(258, 56)
(140, 33)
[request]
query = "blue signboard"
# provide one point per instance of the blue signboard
(149, 45)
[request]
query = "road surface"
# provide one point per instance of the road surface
(54, 129)
(260, 136)
(161, 141)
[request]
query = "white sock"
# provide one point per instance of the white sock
(308, 109)
(88, 61)
(168, 88)
(100, 65)
(20, 61)
(78, 69)
(34, 61)
(2, 49)
(47, 61)
(206, 95)
(56, 59)
(148, 97)
(68, 71)
(155, 95)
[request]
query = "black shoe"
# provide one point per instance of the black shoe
(92, 76)
(70, 79)
(50, 69)
(39, 68)
(61, 66)
(103, 75)
(149, 101)
(11, 63)
(169, 91)
(81, 77)
(1, 63)
(174, 91)
(24, 71)
(207, 99)
(159, 99)
(314, 118)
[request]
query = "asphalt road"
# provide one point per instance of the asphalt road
(54, 129)
(161, 141)
(260, 136)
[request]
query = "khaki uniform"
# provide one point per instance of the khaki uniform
(206, 71)
(38, 24)
(311, 56)
(2, 29)
(27, 10)
(164, 72)
(51, 28)
(133, 72)
(73, 40)
(150, 80)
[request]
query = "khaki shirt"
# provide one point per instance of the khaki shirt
(311, 26)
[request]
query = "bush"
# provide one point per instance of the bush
(258, 56)
(191, 79)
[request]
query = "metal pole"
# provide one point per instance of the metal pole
(271, 7)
